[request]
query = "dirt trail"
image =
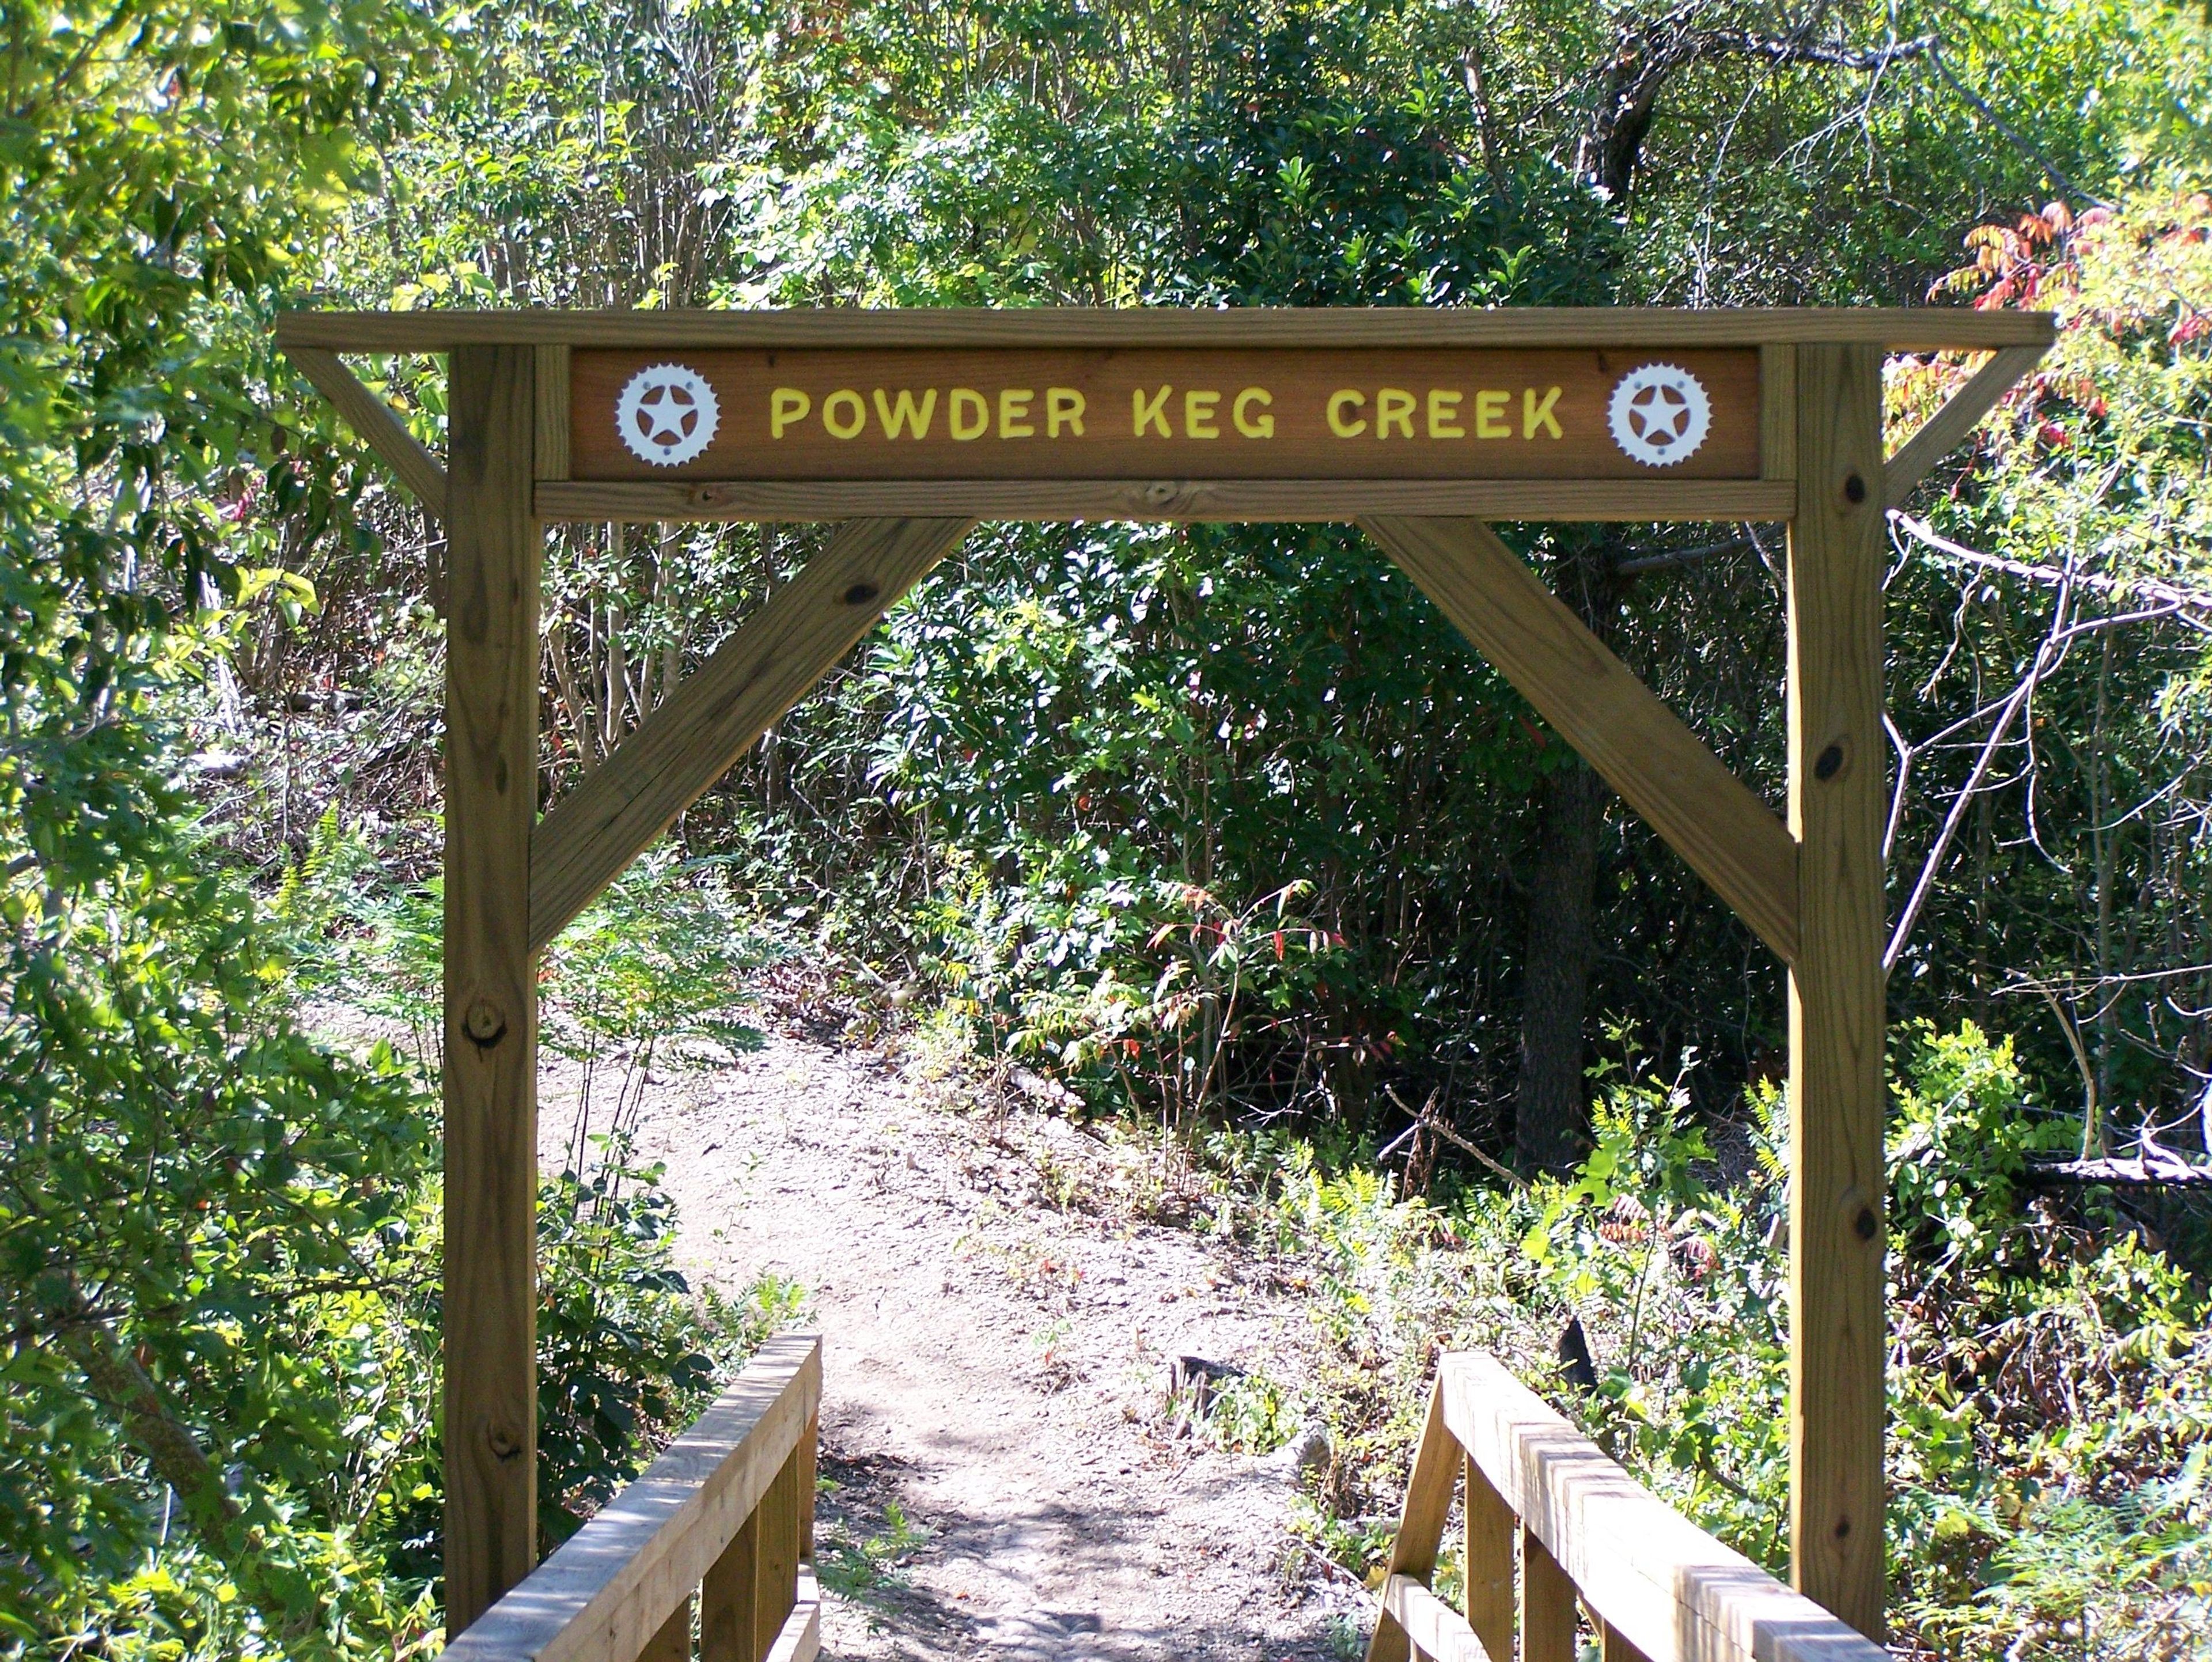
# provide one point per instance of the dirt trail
(995, 1369)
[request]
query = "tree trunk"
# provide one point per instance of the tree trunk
(1551, 1119)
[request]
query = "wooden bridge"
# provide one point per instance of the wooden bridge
(710, 1552)
(1420, 426)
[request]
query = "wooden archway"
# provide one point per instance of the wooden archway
(1421, 426)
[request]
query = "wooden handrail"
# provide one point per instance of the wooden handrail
(728, 1509)
(1654, 1584)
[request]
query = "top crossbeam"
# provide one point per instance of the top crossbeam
(1929, 329)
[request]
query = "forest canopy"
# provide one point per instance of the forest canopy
(1223, 829)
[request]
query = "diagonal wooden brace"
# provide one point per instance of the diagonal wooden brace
(715, 717)
(372, 418)
(1958, 418)
(1620, 727)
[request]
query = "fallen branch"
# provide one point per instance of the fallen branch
(2169, 1172)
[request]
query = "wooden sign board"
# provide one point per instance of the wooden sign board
(1017, 412)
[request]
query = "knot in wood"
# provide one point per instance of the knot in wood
(504, 1445)
(862, 593)
(1866, 1223)
(485, 1022)
(1829, 762)
(1855, 489)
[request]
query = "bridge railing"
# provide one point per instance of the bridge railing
(726, 1516)
(1552, 1522)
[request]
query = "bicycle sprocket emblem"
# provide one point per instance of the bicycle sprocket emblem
(667, 415)
(1659, 414)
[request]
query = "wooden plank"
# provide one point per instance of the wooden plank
(612, 1585)
(1031, 413)
(1492, 1529)
(729, 1598)
(1673, 1591)
(809, 1483)
(801, 1640)
(552, 394)
(1435, 1627)
(1949, 426)
(1778, 412)
(778, 1575)
(716, 715)
(1838, 793)
(671, 1641)
(490, 987)
(1232, 501)
(1420, 1524)
(1906, 330)
(373, 419)
(1547, 1605)
(1612, 1646)
(1661, 769)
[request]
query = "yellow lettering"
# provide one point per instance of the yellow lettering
(1443, 414)
(1013, 404)
(1394, 407)
(906, 414)
(1534, 415)
(1198, 418)
(839, 426)
(1337, 404)
(1261, 427)
(969, 416)
(1063, 407)
(785, 404)
(1490, 421)
(1149, 412)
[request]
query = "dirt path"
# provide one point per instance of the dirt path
(1013, 1481)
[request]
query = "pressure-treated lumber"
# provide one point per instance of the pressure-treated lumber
(1421, 1525)
(1950, 425)
(1837, 797)
(1547, 1605)
(1778, 412)
(1673, 1591)
(552, 401)
(1490, 1528)
(1662, 769)
(1435, 1627)
(729, 1598)
(778, 1581)
(490, 987)
(714, 717)
(612, 1585)
(1612, 1646)
(1227, 500)
(799, 1640)
(1902, 329)
(673, 1641)
(371, 417)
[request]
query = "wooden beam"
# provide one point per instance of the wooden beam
(1662, 769)
(1547, 1605)
(490, 987)
(1837, 795)
(1420, 1524)
(716, 715)
(800, 1637)
(1917, 329)
(673, 1641)
(552, 412)
(1950, 425)
(612, 1586)
(1491, 1530)
(372, 419)
(1435, 1627)
(1229, 501)
(1670, 1589)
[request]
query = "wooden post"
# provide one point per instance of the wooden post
(1547, 1605)
(1837, 772)
(1490, 1528)
(730, 1598)
(491, 994)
